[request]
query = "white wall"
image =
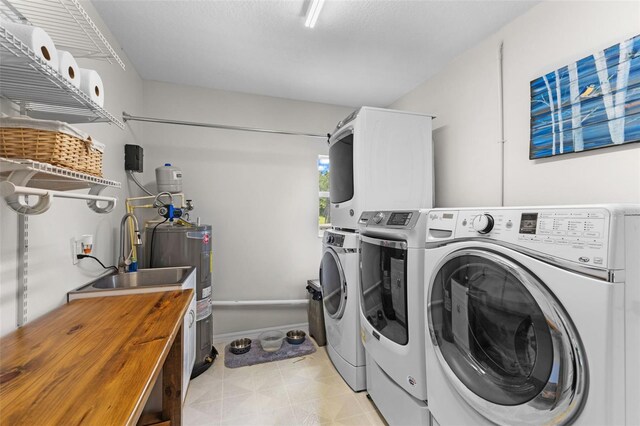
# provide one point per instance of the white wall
(464, 97)
(51, 272)
(258, 191)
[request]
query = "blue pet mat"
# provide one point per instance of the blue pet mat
(257, 355)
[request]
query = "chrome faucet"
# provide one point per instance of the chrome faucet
(138, 241)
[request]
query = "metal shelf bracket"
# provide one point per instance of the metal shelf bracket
(14, 195)
(18, 203)
(24, 178)
(96, 190)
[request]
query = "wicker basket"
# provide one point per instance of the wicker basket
(54, 148)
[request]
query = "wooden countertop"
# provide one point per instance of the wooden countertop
(91, 361)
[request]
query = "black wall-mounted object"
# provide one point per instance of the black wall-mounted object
(133, 156)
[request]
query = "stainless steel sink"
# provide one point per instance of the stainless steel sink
(143, 277)
(144, 280)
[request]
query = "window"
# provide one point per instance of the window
(324, 206)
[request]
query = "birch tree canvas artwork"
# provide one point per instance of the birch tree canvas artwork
(591, 103)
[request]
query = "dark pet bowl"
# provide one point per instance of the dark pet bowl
(296, 337)
(240, 346)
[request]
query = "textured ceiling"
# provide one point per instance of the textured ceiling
(359, 53)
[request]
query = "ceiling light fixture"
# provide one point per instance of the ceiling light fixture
(313, 13)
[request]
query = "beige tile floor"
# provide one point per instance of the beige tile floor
(298, 391)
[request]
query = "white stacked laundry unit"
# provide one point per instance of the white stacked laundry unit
(380, 160)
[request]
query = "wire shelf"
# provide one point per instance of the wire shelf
(66, 22)
(42, 91)
(51, 177)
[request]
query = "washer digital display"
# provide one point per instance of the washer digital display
(528, 223)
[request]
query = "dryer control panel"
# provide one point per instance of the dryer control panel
(334, 239)
(577, 235)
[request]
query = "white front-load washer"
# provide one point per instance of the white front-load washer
(532, 315)
(391, 313)
(339, 280)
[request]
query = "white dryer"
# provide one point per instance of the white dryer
(380, 159)
(392, 313)
(339, 279)
(533, 315)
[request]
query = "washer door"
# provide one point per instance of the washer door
(333, 283)
(383, 287)
(504, 342)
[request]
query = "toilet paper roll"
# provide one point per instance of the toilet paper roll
(91, 84)
(36, 39)
(68, 67)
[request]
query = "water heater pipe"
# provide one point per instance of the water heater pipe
(137, 182)
(132, 207)
(291, 302)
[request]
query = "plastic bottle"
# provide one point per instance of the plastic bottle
(169, 178)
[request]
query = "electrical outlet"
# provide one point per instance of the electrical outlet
(82, 245)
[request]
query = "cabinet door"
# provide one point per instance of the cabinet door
(192, 333)
(189, 345)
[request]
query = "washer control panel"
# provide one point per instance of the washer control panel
(577, 235)
(389, 219)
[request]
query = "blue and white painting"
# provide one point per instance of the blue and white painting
(591, 103)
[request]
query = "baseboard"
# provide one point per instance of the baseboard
(253, 334)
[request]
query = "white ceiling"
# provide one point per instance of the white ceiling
(359, 53)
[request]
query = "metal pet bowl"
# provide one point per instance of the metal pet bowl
(240, 346)
(296, 337)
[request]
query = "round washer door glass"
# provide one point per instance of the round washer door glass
(333, 284)
(503, 340)
(490, 330)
